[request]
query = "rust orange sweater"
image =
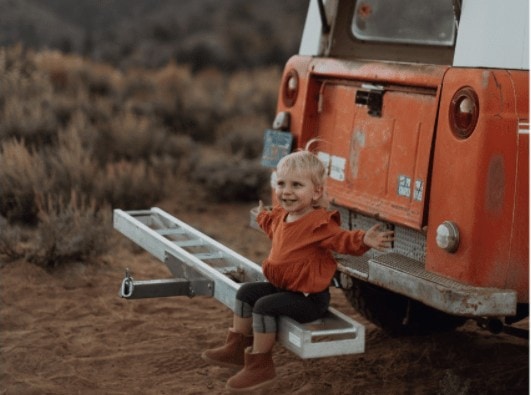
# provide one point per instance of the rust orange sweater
(300, 258)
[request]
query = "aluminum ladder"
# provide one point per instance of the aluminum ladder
(202, 266)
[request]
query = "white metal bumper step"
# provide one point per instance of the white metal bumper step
(203, 266)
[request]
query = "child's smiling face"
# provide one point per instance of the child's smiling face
(296, 192)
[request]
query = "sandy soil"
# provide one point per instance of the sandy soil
(68, 332)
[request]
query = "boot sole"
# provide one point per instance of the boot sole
(261, 386)
(222, 364)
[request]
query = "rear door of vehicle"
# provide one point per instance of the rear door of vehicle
(376, 130)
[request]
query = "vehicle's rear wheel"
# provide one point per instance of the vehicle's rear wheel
(396, 313)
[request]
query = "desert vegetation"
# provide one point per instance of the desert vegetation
(79, 138)
(228, 34)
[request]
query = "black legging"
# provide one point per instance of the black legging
(265, 302)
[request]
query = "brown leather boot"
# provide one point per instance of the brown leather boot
(258, 372)
(229, 355)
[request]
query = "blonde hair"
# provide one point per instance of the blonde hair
(307, 162)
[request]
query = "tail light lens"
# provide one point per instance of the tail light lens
(464, 112)
(290, 88)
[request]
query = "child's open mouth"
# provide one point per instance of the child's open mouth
(289, 201)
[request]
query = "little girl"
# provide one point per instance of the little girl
(299, 269)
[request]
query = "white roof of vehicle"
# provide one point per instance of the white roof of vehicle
(311, 36)
(494, 34)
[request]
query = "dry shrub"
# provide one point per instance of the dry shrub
(215, 97)
(208, 92)
(22, 175)
(70, 165)
(13, 240)
(25, 97)
(177, 157)
(70, 230)
(254, 91)
(242, 136)
(129, 185)
(131, 137)
(172, 78)
(156, 93)
(119, 139)
(20, 76)
(203, 105)
(60, 69)
(30, 119)
(227, 179)
(100, 79)
(70, 74)
(25, 173)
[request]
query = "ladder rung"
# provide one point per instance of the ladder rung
(227, 269)
(170, 231)
(203, 256)
(189, 243)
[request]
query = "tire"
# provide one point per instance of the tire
(398, 314)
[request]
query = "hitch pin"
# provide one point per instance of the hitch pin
(126, 290)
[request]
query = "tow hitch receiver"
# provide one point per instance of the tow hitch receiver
(132, 289)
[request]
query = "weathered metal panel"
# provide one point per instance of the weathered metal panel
(408, 277)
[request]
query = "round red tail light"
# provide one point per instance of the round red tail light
(464, 112)
(290, 88)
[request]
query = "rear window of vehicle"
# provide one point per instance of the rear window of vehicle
(420, 22)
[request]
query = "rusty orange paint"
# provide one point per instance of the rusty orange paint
(477, 181)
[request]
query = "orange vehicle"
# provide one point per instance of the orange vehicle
(421, 111)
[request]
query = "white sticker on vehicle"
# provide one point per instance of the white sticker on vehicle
(419, 188)
(404, 186)
(325, 158)
(523, 127)
(337, 169)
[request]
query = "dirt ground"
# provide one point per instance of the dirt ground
(68, 332)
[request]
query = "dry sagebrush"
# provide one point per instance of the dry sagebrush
(78, 138)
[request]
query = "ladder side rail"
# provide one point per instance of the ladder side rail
(139, 213)
(253, 272)
(231, 255)
(141, 234)
(159, 246)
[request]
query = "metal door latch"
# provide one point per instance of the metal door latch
(372, 97)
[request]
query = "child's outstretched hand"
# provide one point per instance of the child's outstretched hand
(378, 240)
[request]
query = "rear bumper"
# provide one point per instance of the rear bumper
(408, 277)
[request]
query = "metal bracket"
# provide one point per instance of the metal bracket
(133, 289)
